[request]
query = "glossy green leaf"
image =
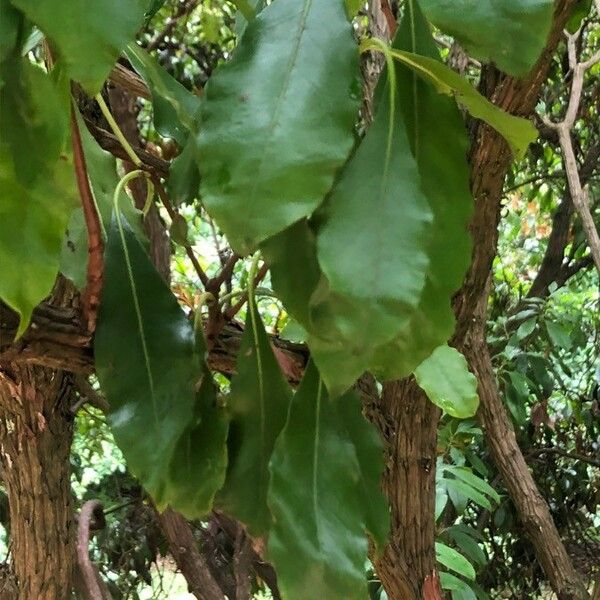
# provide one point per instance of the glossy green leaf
(175, 107)
(438, 140)
(37, 186)
(454, 561)
(102, 174)
(459, 589)
(463, 492)
(369, 453)
(317, 540)
(518, 132)
(466, 475)
(372, 239)
(270, 146)
(509, 33)
(145, 360)
(199, 462)
(448, 383)
(87, 38)
(467, 544)
(258, 404)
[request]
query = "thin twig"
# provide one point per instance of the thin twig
(579, 193)
(235, 309)
(566, 454)
(95, 266)
(166, 201)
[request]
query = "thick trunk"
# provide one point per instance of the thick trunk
(36, 429)
(407, 567)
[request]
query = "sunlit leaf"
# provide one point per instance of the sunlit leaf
(511, 33)
(448, 383)
(258, 404)
(270, 146)
(317, 541)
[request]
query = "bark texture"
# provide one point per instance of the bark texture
(36, 430)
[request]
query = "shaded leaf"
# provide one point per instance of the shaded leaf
(317, 541)
(369, 453)
(145, 360)
(558, 334)
(258, 404)
(270, 146)
(108, 26)
(184, 177)
(9, 29)
(448, 383)
(199, 462)
(511, 33)
(175, 108)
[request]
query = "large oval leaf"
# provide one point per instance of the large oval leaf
(509, 33)
(270, 145)
(145, 360)
(317, 541)
(258, 404)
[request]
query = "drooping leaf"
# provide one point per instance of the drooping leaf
(37, 186)
(454, 561)
(102, 174)
(372, 239)
(199, 462)
(466, 475)
(438, 140)
(467, 544)
(518, 132)
(258, 404)
(317, 541)
(88, 38)
(369, 454)
(145, 360)
(448, 383)
(175, 108)
(184, 177)
(270, 146)
(511, 33)
(460, 589)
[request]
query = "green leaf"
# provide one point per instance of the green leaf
(369, 453)
(353, 6)
(270, 146)
(448, 383)
(525, 329)
(88, 38)
(460, 589)
(518, 132)
(258, 404)
(184, 177)
(467, 545)
(474, 481)
(438, 141)
(469, 493)
(454, 561)
(175, 108)
(145, 360)
(511, 33)
(37, 186)
(102, 174)
(317, 541)
(9, 30)
(372, 238)
(199, 462)
(558, 334)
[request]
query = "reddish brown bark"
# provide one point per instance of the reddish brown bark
(36, 429)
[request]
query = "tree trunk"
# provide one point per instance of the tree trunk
(531, 507)
(36, 430)
(407, 567)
